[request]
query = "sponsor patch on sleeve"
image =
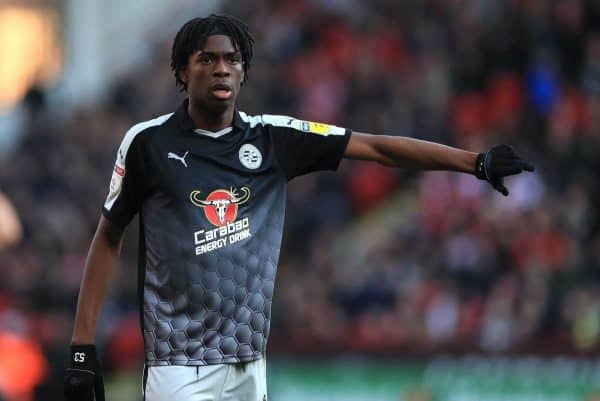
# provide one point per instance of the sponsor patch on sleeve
(116, 182)
(321, 129)
(117, 179)
(318, 128)
(119, 170)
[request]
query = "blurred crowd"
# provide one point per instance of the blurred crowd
(374, 259)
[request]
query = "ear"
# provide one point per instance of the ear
(184, 75)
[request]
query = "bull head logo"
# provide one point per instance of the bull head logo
(221, 205)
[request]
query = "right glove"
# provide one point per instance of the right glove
(83, 380)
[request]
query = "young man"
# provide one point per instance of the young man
(208, 182)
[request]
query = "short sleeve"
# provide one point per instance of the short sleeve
(127, 184)
(302, 147)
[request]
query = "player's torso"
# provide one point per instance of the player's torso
(212, 222)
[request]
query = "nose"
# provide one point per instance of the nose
(221, 69)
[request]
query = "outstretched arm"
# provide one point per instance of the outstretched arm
(492, 166)
(406, 152)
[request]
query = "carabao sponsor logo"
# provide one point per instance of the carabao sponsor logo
(221, 209)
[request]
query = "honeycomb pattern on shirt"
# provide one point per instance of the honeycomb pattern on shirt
(215, 308)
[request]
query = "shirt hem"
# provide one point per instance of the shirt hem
(204, 362)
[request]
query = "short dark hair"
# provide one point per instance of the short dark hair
(192, 36)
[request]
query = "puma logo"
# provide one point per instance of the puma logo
(172, 155)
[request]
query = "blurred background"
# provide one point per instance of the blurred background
(392, 284)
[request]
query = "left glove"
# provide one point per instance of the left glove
(83, 380)
(499, 162)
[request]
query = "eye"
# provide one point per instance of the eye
(205, 58)
(235, 58)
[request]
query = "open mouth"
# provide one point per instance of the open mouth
(221, 91)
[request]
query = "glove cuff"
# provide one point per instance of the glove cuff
(480, 167)
(83, 357)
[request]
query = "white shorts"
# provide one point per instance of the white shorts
(225, 382)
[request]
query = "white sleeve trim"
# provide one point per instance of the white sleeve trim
(120, 168)
(291, 122)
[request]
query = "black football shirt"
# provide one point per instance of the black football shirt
(211, 218)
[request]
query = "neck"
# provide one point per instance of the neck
(210, 120)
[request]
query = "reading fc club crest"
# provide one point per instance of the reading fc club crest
(250, 156)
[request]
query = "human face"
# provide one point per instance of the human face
(214, 74)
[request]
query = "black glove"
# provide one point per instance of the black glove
(83, 380)
(497, 163)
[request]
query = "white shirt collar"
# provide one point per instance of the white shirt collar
(213, 134)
